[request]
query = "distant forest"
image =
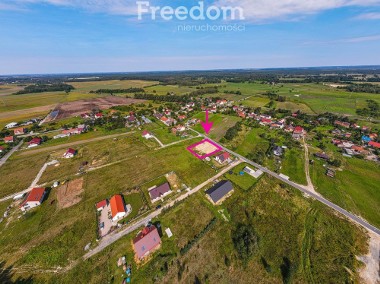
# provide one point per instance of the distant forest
(39, 88)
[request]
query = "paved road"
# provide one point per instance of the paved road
(10, 153)
(113, 237)
(342, 211)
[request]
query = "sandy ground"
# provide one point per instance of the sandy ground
(69, 193)
(76, 108)
(205, 148)
(370, 273)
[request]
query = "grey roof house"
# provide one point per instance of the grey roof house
(220, 191)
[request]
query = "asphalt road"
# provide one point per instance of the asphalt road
(342, 211)
(10, 153)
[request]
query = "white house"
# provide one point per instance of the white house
(11, 125)
(33, 199)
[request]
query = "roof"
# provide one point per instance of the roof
(159, 191)
(117, 205)
(146, 240)
(145, 132)
(223, 157)
(20, 129)
(218, 191)
(298, 129)
(71, 151)
(8, 138)
(374, 144)
(34, 195)
(35, 140)
(101, 204)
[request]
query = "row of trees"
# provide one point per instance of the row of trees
(39, 88)
(118, 91)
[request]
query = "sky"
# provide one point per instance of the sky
(84, 36)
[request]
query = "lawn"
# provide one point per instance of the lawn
(356, 188)
(165, 136)
(253, 142)
(244, 181)
(293, 165)
(86, 87)
(221, 124)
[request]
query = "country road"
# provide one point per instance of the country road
(301, 188)
(10, 153)
(113, 237)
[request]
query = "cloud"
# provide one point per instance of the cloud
(260, 10)
(368, 16)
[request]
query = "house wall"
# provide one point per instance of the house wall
(118, 216)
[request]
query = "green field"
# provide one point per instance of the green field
(356, 188)
(244, 181)
(164, 89)
(298, 239)
(85, 87)
(253, 142)
(221, 124)
(293, 165)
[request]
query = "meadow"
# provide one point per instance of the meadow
(221, 124)
(355, 188)
(298, 238)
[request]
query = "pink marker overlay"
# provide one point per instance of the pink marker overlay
(191, 149)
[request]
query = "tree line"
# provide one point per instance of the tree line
(40, 88)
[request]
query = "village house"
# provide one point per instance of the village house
(33, 199)
(9, 139)
(146, 134)
(159, 192)
(265, 121)
(322, 156)
(2, 149)
(223, 158)
(98, 115)
(298, 132)
(118, 210)
(101, 205)
(11, 125)
(278, 151)
(178, 129)
(219, 192)
(19, 131)
(342, 124)
(146, 242)
(36, 141)
(374, 144)
(70, 153)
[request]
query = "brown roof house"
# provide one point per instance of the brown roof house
(33, 199)
(146, 242)
(158, 192)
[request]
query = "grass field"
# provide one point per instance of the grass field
(298, 239)
(165, 136)
(244, 181)
(253, 142)
(293, 165)
(85, 87)
(164, 89)
(356, 188)
(221, 124)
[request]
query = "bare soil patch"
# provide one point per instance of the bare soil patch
(69, 193)
(70, 109)
(173, 180)
(205, 148)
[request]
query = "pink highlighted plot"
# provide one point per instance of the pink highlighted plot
(204, 149)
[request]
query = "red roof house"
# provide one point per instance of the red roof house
(222, 158)
(1, 149)
(146, 242)
(146, 134)
(9, 139)
(117, 207)
(70, 153)
(374, 144)
(19, 131)
(101, 204)
(33, 199)
(34, 142)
